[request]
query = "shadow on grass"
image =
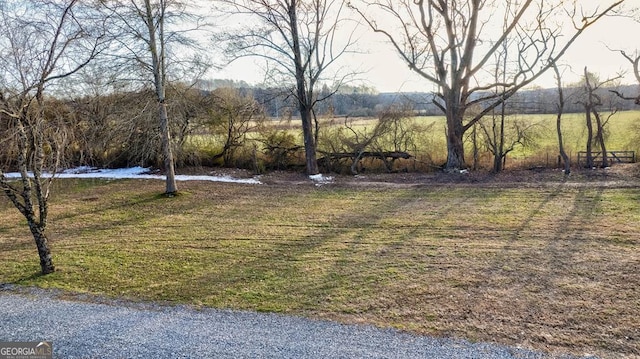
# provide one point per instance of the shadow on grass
(559, 237)
(304, 272)
(19, 244)
(555, 280)
(29, 278)
(130, 210)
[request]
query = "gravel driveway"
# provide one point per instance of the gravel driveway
(115, 329)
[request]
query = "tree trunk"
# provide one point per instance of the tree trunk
(303, 94)
(476, 150)
(496, 143)
(169, 167)
(309, 142)
(158, 64)
(563, 153)
(497, 162)
(589, 137)
(455, 144)
(500, 160)
(46, 263)
(37, 226)
(498, 165)
(600, 139)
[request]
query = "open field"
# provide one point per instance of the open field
(522, 258)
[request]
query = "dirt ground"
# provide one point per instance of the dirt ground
(616, 176)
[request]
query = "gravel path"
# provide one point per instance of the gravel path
(115, 329)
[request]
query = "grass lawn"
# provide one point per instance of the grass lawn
(553, 266)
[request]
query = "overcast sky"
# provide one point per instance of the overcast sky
(387, 73)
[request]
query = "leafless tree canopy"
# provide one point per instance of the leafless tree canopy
(317, 26)
(301, 40)
(453, 43)
(634, 60)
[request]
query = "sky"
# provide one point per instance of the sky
(386, 72)
(390, 74)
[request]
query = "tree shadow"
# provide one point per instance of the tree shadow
(329, 248)
(540, 278)
(28, 278)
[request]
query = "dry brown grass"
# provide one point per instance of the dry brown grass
(530, 260)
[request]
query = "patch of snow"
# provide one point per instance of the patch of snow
(92, 172)
(134, 173)
(464, 172)
(321, 179)
(227, 179)
(81, 169)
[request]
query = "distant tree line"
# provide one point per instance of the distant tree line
(352, 103)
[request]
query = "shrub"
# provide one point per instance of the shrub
(281, 150)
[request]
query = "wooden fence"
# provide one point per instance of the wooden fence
(612, 156)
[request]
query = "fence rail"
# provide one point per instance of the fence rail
(613, 157)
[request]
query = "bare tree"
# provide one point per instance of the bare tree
(155, 25)
(560, 108)
(40, 42)
(592, 102)
(302, 40)
(142, 30)
(452, 44)
(359, 141)
(502, 137)
(634, 59)
(495, 132)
